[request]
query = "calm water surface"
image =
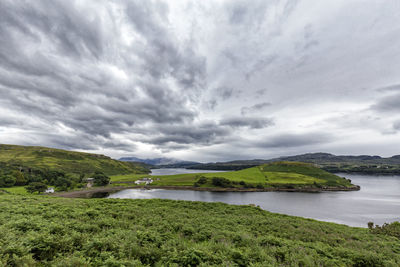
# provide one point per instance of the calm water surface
(377, 201)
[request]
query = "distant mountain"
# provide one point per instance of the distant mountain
(357, 164)
(160, 161)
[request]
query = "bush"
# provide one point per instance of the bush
(259, 186)
(36, 187)
(7, 181)
(392, 229)
(221, 182)
(63, 183)
(101, 179)
(202, 180)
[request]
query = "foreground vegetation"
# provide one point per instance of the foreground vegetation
(48, 231)
(273, 175)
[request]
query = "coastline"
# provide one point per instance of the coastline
(86, 193)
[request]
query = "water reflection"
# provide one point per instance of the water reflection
(377, 201)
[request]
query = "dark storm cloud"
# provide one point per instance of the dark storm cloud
(225, 92)
(255, 108)
(252, 123)
(396, 125)
(388, 104)
(393, 87)
(202, 134)
(295, 140)
(165, 56)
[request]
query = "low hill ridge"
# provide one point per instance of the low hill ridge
(38, 157)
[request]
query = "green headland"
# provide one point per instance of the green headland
(289, 176)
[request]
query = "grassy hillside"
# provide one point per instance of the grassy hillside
(64, 161)
(46, 231)
(268, 175)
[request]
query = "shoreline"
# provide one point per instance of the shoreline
(86, 193)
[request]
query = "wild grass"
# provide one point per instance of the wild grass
(48, 231)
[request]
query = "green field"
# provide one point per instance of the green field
(44, 158)
(18, 190)
(294, 178)
(280, 173)
(49, 231)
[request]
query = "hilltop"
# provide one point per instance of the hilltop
(40, 166)
(44, 158)
(290, 176)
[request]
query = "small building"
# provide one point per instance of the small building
(90, 182)
(49, 190)
(144, 181)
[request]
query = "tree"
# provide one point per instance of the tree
(101, 179)
(36, 187)
(7, 180)
(63, 183)
(20, 178)
(221, 182)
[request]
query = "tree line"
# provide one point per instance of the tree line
(39, 179)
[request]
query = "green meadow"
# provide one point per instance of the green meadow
(273, 174)
(19, 190)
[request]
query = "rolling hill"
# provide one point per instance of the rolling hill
(44, 158)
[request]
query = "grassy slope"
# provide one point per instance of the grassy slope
(268, 174)
(66, 161)
(19, 190)
(306, 169)
(112, 232)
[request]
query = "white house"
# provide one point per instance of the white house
(90, 182)
(49, 190)
(144, 181)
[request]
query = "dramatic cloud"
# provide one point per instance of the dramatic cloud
(254, 108)
(253, 123)
(198, 79)
(294, 140)
(388, 104)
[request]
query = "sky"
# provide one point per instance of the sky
(201, 80)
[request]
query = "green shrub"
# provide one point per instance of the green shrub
(391, 229)
(221, 182)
